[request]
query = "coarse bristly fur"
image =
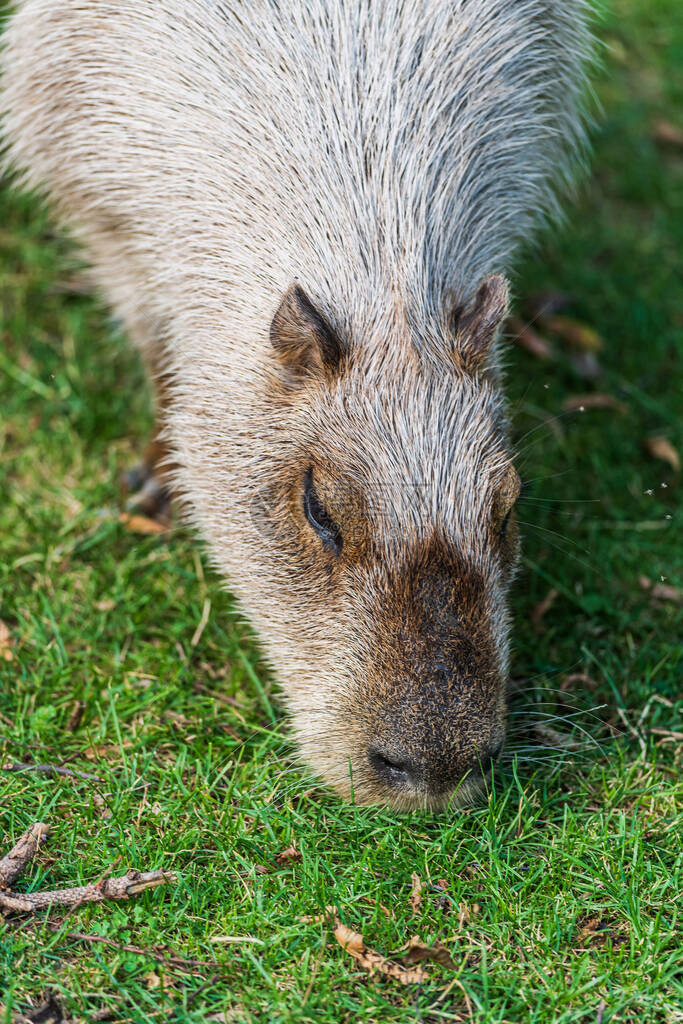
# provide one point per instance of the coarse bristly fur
(301, 212)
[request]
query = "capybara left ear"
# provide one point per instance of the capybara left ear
(302, 337)
(475, 326)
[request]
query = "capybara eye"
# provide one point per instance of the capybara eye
(319, 517)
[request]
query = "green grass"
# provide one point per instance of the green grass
(571, 871)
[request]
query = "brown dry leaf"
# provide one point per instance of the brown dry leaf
(524, 336)
(662, 448)
(290, 853)
(141, 524)
(5, 642)
(574, 332)
(354, 944)
(578, 679)
(577, 403)
(543, 607)
(391, 967)
(75, 716)
(661, 591)
(416, 893)
(596, 932)
(417, 952)
(667, 134)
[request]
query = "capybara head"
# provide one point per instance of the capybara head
(388, 531)
(375, 528)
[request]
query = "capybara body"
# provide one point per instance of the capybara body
(302, 212)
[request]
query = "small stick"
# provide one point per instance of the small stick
(17, 860)
(49, 769)
(121, 888)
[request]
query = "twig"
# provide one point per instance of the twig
(121, 888)
(163, 956)
(49, 769)
(17, 860)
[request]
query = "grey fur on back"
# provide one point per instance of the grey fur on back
(377, 151)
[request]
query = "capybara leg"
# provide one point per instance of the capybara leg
(149, 483)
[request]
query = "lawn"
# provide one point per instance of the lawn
(558, 898)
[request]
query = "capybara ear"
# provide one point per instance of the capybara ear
(302, 337)
(475, 326)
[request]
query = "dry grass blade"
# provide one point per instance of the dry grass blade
(579, 335)
(416, 893)
(578, 403)
(540, 610)
(662, 448)
(661, 591)
(667, 134)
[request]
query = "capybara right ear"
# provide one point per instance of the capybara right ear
(475, 327)
(302, 337)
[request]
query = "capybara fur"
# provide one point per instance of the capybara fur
(304, 214)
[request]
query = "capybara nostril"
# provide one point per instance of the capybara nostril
(397, 772)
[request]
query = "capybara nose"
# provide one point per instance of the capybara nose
(431, 774)
(396, 772)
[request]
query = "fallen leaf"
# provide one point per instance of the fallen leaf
(444, 902)
(667, 134)
(596, 932)
(543, 607)
(661, 591)
(105, 605)
(417, 952)
(524, 336)
(291, 853)
(416, 893)
(578, 679)
(5, 642)
(141, 524)
(662, 448)
(574, 332)
(75, 716)
(370, 960)
(577, 403)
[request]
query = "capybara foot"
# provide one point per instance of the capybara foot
(148, 494)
